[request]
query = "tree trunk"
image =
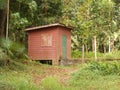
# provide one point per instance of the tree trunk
(83, 53)
(112, 45)
(7, 23)
(109, 45)
(104, 48)
(2, 21)
(95, 47)
(86, 48)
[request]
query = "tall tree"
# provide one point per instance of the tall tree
(30, 13)
(77, 13)
(3, 12)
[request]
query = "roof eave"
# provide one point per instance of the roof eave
(46, 26)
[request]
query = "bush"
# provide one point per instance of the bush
(12, 49)
(112, 55)
(99, 68)
(76, 54)
(10, 53)
(4, 58)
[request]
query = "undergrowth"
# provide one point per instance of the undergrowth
(102, 68)
(53, 83)
(97, 76)
(18, 76)
(91, 76)
(90, 55)
(16, 82)
(112, 55)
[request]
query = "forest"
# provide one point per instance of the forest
(95, 37)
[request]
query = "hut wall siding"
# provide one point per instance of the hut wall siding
(35, 49)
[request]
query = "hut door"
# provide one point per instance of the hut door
(64, 46)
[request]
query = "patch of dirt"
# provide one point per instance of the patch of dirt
(62, 73)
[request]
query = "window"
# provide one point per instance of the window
(46, 40)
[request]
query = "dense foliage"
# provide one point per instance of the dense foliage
(11, 52)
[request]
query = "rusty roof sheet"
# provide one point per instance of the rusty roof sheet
(47, 26)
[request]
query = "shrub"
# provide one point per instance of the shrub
(4, 58)
(112, 55)
(99, 68)
(97, 75)
(92, 54)
(12, 49)
(102, 68)
(76, 54)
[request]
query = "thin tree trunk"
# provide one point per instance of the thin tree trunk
(104, 48)
(109, 45)
(83, 53)
(95, 47)
(7, 25)
(86, 48)
(2, 21)
(112, 45)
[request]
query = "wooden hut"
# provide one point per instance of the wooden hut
(49, 42)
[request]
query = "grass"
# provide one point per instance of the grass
(90, 55)
(112, 55)
(19, 76)
(91, 76)
(102, 56)
(51, 83)
(97, 76)
(16, 76)
(17, 82)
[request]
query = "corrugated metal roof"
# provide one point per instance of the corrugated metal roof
(47, 26)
